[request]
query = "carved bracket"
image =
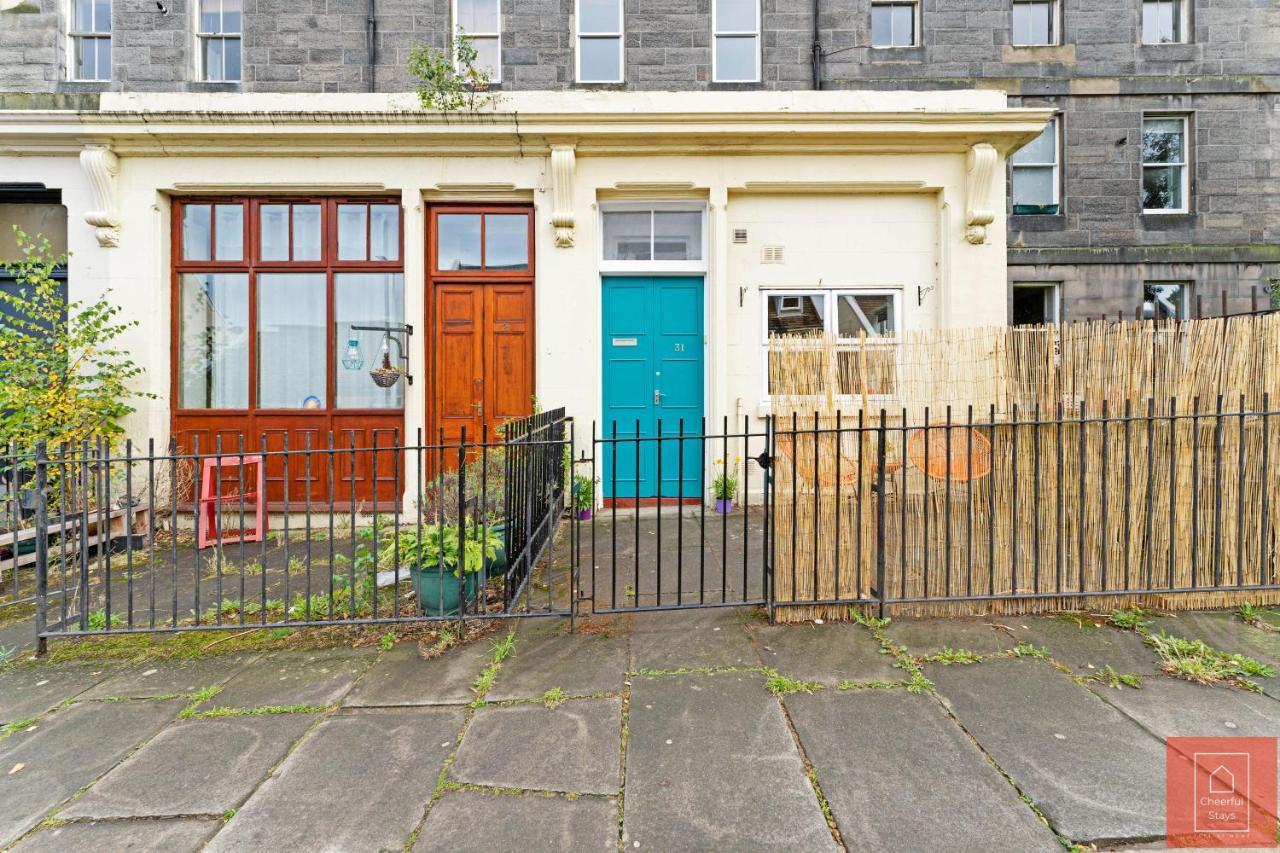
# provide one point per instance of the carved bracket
(101, 166)
(980, 168)
(563, 162)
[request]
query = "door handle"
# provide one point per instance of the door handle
(479, 407)
(657, 397)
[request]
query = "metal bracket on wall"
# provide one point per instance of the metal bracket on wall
(402, 346)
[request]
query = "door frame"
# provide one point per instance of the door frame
(433, 277)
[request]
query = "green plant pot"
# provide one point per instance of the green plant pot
(432, 600)
(495, 567)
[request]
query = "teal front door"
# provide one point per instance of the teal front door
(652, 379)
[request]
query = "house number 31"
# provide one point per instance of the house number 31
(679, 347)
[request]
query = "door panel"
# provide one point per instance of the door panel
(509, 356)
(459, 359)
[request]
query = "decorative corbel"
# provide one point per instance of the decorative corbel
(978, 214)
(562, 219)
(101, 167)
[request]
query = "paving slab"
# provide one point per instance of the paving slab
(293, 678)
(899, 774)
(1096, 775)
(219, 762)
(530, 823)
(135, 836)
(1170, 707)
(575, 746)
(711, 765)
(547, 656)
(827, 654)
(1224, 631)
(166, 678)
(30, 690)
(929, 636)
(403, 676)
(66, 752)
(689, 639)
(1086, 649)
(357, 782)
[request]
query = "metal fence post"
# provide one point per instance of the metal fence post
(42, 548)
(882, 439)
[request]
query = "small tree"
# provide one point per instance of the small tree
(63, 376)
(450, 83)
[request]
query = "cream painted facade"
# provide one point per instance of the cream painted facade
(901, 191)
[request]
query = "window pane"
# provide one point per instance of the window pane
(104, 59)
(881, 26)
(306, 232)
(458, 241)
(677, 235)
(195, 232)
(871, 314)
(506, 242)
(83, 16)
(352, 232)
(230, 232)
(1032, 306)
(627, 235)
(384, 233)
(1162, 140)
(210, 20)
(736, 58)
(231, 60)
(487, 56)
(1033, 185)
(1031, 23)
(231, 16)
(86, 58)
(273, 230)
(214, 341)
(904, 26)
(102, 16)
(478, 16)
(599, 60)
(599, 16)
(291, 340)
(212, 59)
(735, 16)
(366, 299)
(1021, 23)
(1160, 20)
(1162, 187)
(796, 315)
(1040, 149)
(1165, 300)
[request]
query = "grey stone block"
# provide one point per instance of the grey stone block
(403, 677)
(546, 656)
(293, 678)
(532, 823)
(136, 836)
(28, 691)
(827, 654)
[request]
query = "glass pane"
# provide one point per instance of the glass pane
(384, 232)
(627, 235)
(366, 299)
(1040, 149)
(212, 59)
(102, 16)
(881, 26)
(231, 60)
(1032, 306)
(736, 58)
(1163, 301)
(1162, 188)
(213, 350)
(291, 340)
(1041, 23)
(86, 58)
(306, 232)
(506, 242)
(1162, 140)
(1031, 24)
(352, 232)
(210, 20)
(273, 231)
(904, 26)
(599, 60)
(599, 16)
(1021, 33)
(736, 16)
(104, 59)
(864, 313)
(478, 16)
(231, 16)
(195, 232)
(1160, 19)
(677, 235)
(796, 315)
(1033, 185)
(83, 16)
(458, 241)
(229, 222)
(487, 56)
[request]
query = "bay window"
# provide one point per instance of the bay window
(863, 324)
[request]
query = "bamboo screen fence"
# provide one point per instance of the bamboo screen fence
(1028, 469)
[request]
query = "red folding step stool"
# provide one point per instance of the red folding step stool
(211, 502)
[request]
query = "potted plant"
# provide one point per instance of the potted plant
(484, 489)
(725, 486)
(439, 582)
(584, 495)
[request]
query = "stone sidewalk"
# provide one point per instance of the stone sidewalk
(706, 730)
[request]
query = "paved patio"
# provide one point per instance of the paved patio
(654, 731)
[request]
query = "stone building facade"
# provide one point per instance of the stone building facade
(1096, 253)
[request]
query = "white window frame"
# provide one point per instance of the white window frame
(1056, 121)
(497, 36)
(74, 36)
(1184, 295)
(1055, 302)
(830, 326)
(916, 22)
(202, 35)
(1181, 21)
(717, 34)
(609, 267)
(1055, 30)
(1184, 165)
(579, 36)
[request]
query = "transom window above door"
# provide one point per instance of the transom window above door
(481, 241)
(653, 238)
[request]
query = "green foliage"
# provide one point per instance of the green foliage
(1026, 650)
(584, 491)
(63, 375)
(1108, 676)
(438, 546)
(1197, 661)
(1255, 616)
(387, 641)
(553, 698)
(781, 685)
(447, 83)
(98, 620)
(484, 481)
(1130, 620)
(725, 483)
(949, 656)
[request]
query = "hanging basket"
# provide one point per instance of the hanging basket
(385, 377)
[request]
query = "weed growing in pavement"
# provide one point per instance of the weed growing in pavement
(781, 685)
(1197, 661)
(387, 641)
(1246, 613)
(553, 698)
(1129, 620)
(949, 657)
(204, 694)
(1026, 650)
(1108, 676)
(502, 649)
(16, 726)
(264, 711)
(98, 620)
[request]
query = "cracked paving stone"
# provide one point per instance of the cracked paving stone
(134, 836)
(403, 677)
(293, 678)
(166, 678)
(827, 654)
(547, 656)
(922, 637)
(691, 639)
(530, 823)
(28, 691)
(1077, 647)
(573, 747)
(219, 762)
